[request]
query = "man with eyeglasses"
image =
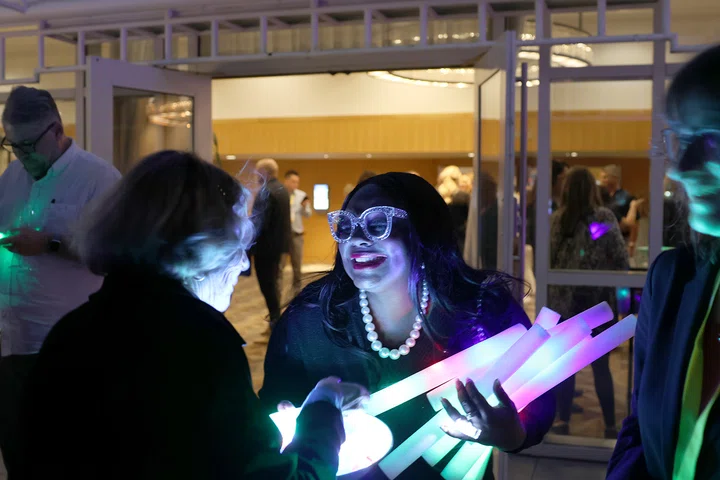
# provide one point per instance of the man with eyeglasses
(41, 195)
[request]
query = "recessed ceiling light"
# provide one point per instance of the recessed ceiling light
(230, 157)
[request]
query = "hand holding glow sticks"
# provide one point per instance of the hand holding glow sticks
(498, 426)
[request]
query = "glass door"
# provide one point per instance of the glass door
(134, 110)
(491, 221)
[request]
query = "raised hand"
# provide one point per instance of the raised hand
(498, 426)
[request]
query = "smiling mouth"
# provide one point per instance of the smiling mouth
(365, 261)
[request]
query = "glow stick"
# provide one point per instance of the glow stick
(442, 447)
(464, 460)
(455, 366)
(411, 449)
(547, 318)
(575, 360)
(553, 349)
(502, 369)
(478, 470)
(598, 315)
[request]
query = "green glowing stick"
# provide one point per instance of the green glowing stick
(478, 470)
(464, 460)
(442, 447)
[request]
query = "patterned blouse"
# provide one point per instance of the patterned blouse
(597, 244)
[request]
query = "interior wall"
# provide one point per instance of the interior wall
(620, 131)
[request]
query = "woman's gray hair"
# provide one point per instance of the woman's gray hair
(173, 213)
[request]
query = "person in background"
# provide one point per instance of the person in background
(41, 279)
(398, 269)
(271, 213)
(584, 235)
(673, 428)
(299, 208)
(620, 203)
(559, 170)
(148, 379)
(365, 175)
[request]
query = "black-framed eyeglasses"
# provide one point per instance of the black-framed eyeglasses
(676, 144)
(27, 147)
(376, 223)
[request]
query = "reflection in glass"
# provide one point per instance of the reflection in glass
(145, 122)
(599, 394)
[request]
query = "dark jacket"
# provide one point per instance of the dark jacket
(145, 381)
(301, 352)
(271, 216)
(675, 300)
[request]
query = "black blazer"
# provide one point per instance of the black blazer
(674, 303)
(145, 381)
(271, 216)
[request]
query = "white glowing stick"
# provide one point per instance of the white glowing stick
(598, 315)
(502, 369)
(464, 460)
(456, 366)
(553, 349)
(442, 447)
(547, 318)
(411, 449)
(575, 360)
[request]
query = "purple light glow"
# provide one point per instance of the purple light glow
(597, 230)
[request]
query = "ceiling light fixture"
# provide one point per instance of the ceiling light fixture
(573, 55)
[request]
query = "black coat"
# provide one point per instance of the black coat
(271, 216)
(145, 381)
(674, 303)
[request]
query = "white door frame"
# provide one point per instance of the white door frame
(104, 74)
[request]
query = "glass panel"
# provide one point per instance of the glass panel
(594, 402)
(145, 122)
(603, 128)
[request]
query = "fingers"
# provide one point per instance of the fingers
(449, 430)
(501, 395)
(451, 411)
(284, 406)
(481, 405)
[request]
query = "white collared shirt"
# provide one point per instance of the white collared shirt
(35, 292)
(297, 211)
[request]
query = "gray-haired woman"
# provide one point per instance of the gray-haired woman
(148, 379)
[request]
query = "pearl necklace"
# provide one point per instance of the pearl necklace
(372, 335)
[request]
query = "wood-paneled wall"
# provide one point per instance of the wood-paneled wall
(585, 131)
(620, 137)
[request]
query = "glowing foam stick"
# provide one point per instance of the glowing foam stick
(551, 350)
(575, 360)
(502, 369)
(547, 318)
(411, 449)
(458, 365)
(478, 470)
(594, 317)
(442, 447)
(464, 460)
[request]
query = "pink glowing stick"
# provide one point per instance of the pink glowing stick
(575, 360)
(553, 349)
(547, 318)
(502, 369)
(598, 315)
(458, 365)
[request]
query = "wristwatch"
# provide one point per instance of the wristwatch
(54, 245)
